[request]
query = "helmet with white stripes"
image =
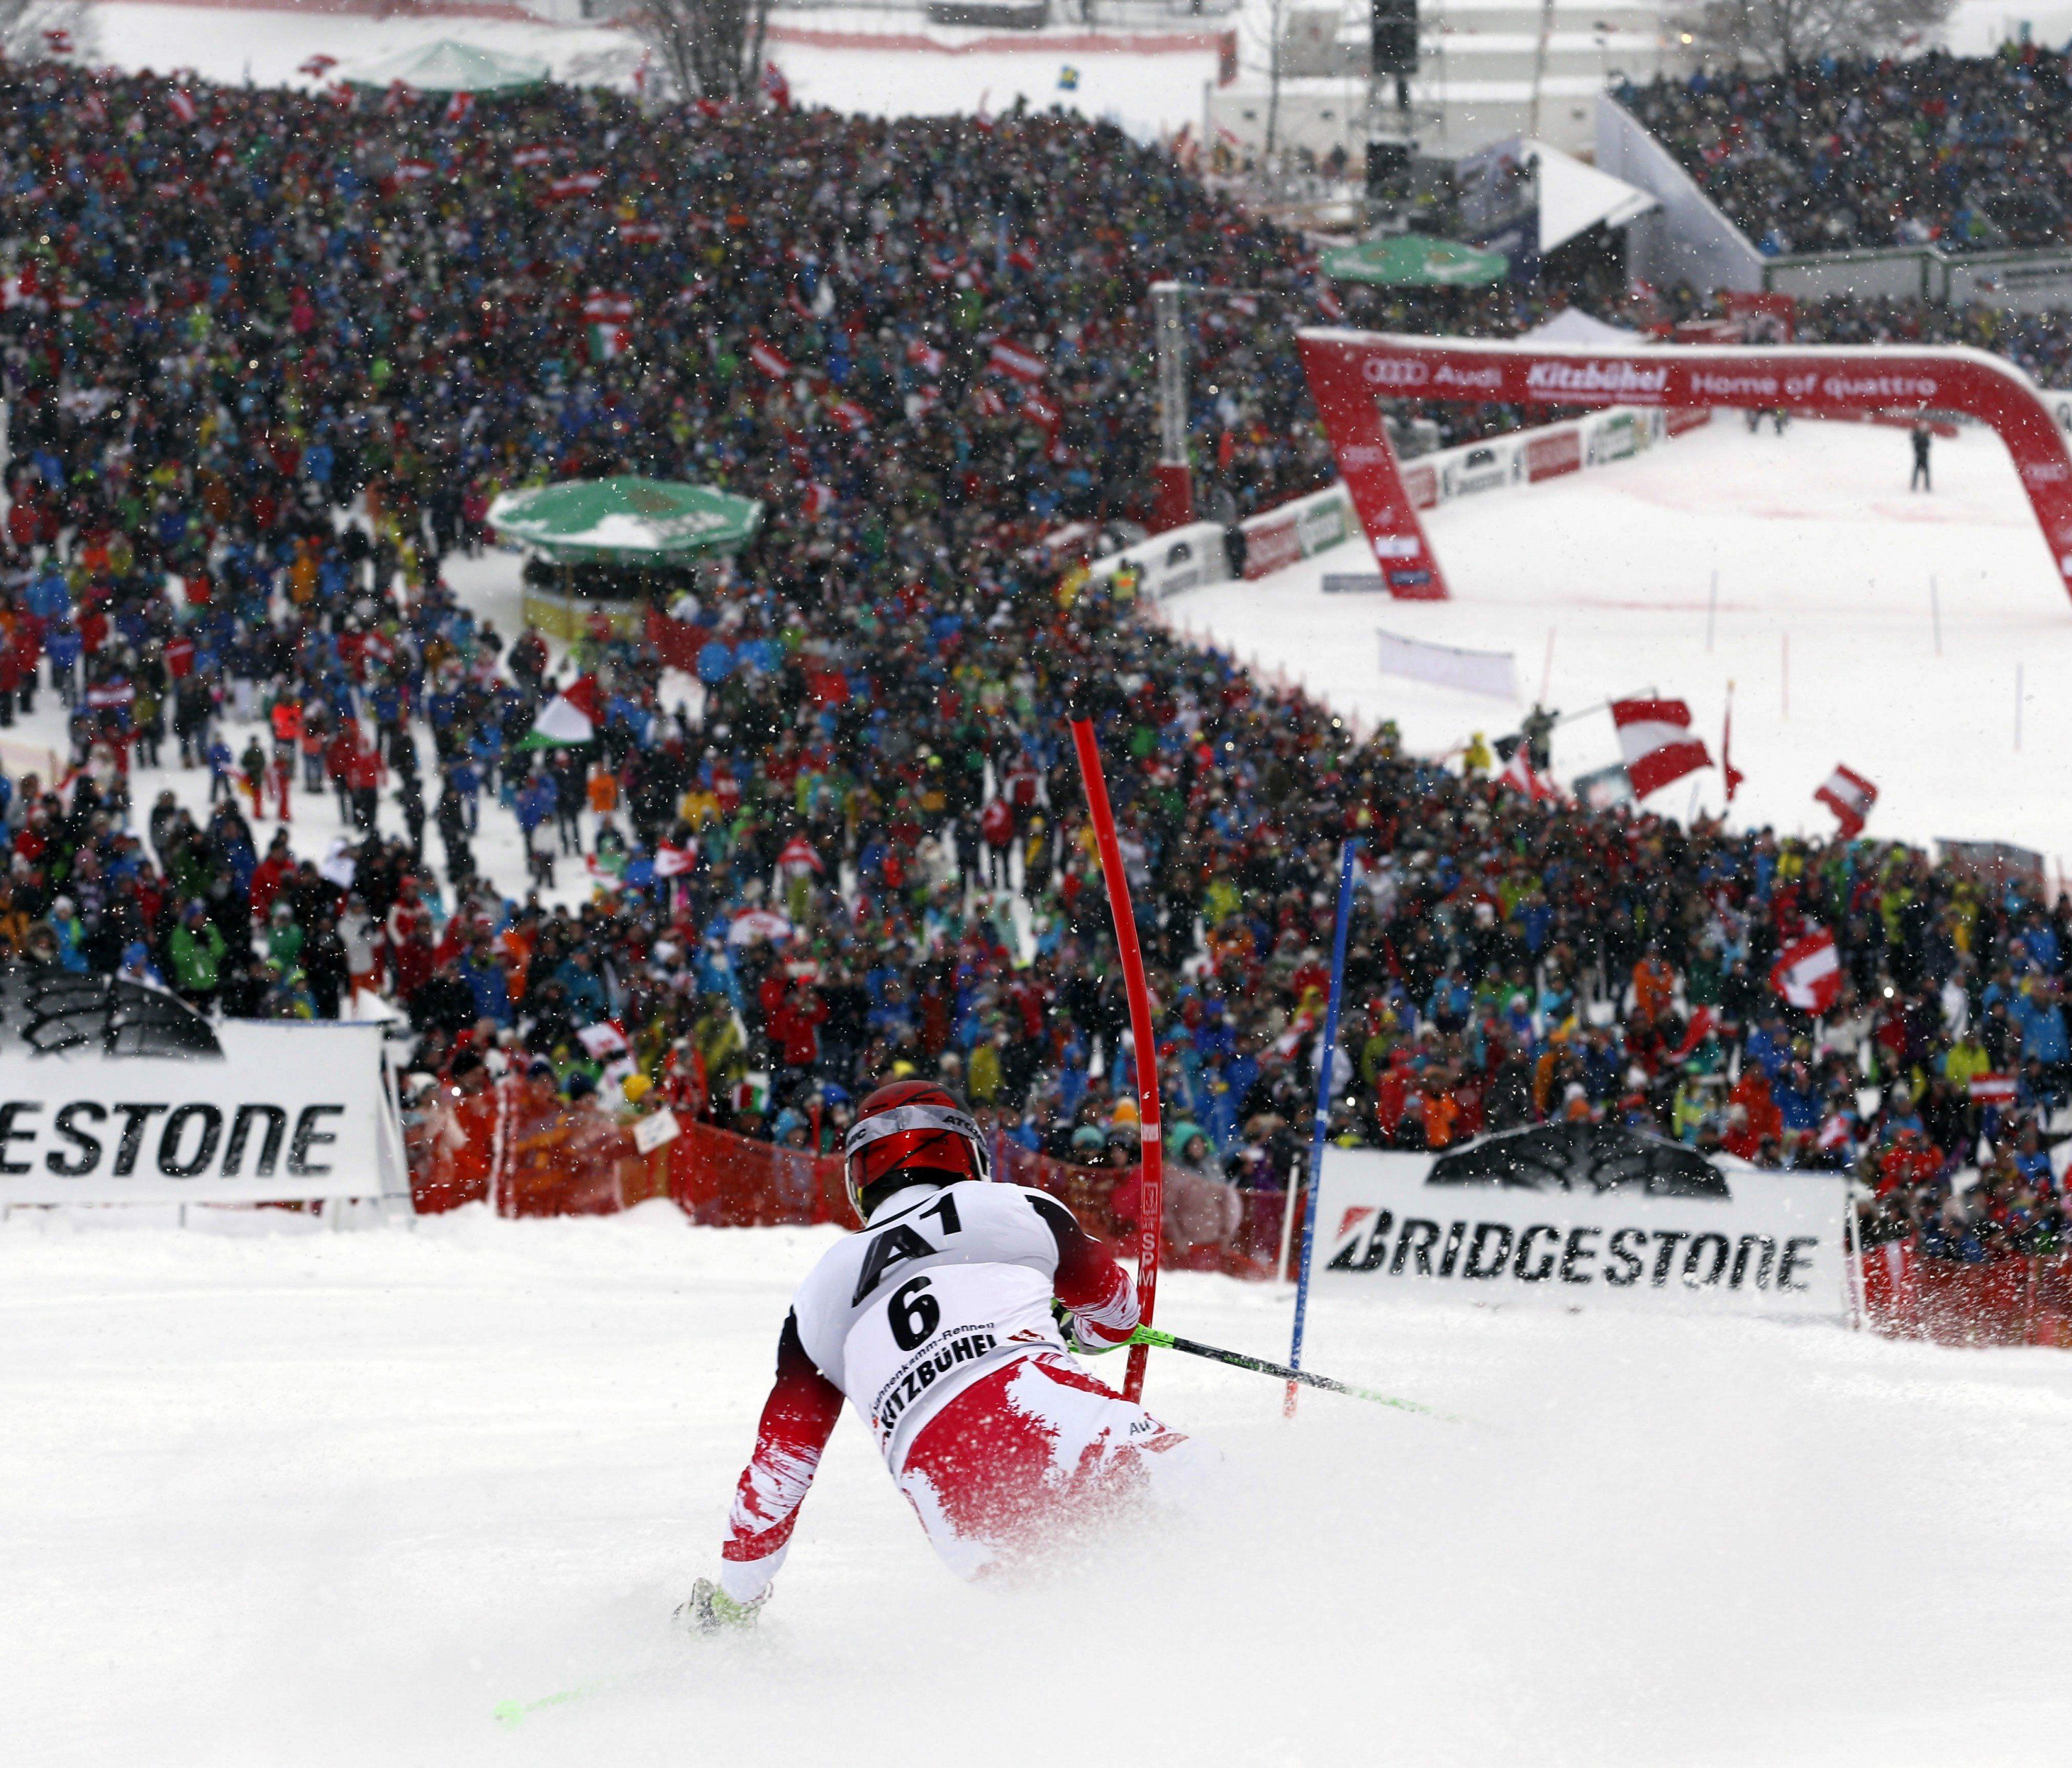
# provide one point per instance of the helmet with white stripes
(904, 1131)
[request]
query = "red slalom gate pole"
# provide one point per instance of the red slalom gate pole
(1151, 1193)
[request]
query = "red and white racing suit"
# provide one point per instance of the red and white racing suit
(934, 1321)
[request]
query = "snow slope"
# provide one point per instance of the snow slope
(1824, 623)
(1148, 94)
(330, 1498)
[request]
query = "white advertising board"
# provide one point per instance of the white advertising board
(1490, 673)
(1773, 1245)
(279, 1113)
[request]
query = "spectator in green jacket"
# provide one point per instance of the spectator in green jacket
(196, 951)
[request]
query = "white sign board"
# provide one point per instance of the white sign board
(1774, 1246)
(1489, 672)
(657, 1129)
(287, 1112)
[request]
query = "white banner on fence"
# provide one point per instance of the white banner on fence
(1773, 1246)
(287, 1112)
(1489, 672)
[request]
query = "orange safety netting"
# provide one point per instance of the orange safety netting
(2019, 1300)
(519, 1145)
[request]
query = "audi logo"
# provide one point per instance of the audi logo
(1395, 372)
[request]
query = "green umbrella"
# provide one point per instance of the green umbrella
(626, 521)
(450, 67)
(1413, 261)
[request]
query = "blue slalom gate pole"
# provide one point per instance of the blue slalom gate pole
(1346, 863)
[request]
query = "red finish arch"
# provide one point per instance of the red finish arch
(1351, 371)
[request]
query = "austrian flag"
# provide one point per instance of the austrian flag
(1019, 364)
(1808, 973)
(1655, 736)
(1521, 777)
(769, 361)
(1850, 796)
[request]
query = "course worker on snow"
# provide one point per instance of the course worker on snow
(940, 1321)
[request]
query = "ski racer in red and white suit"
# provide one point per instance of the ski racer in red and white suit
(935, 1322)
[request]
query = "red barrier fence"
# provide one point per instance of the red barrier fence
(520, 1145)
(2001, 1301)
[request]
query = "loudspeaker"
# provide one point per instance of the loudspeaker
(1395, 26)
(1387, 169)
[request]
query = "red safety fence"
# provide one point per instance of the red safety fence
(523, 1147)
(2019, 1300)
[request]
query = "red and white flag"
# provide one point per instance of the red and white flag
(642, 232)
(1023, 257)
(413, 171)
(925, 356)
(850, 415)
(1518, 774)
(1808, 973)
(769, 361)
(1835, 1132)
(1992, 1089)
(1655, 736)
(1331, 306)
(318, 66)
(989, 403)
(674, 862)
(1699, 1029)
(180, 102)
(524, 156)
(460, 107)
(575, 184)
(1040, 412)
(602, 1039)
(800, 854)
(1850, 796)
(815, 501)
(1735, 776)
(1018, 364)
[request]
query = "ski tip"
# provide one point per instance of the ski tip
(509, 1714)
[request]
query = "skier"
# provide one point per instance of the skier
(946, 1321)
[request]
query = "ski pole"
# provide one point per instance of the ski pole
(1165, 1341)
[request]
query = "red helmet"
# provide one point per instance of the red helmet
(911, 1125)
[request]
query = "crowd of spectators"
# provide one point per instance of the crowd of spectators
(859, 850)
(1839, 154)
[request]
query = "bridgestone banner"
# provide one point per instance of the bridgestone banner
(1769, 1244)
(274, 1113)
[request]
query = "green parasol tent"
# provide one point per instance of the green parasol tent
(1414, 261)
(626, 521)
(450, 67)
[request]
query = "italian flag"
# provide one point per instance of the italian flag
(570, 717)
